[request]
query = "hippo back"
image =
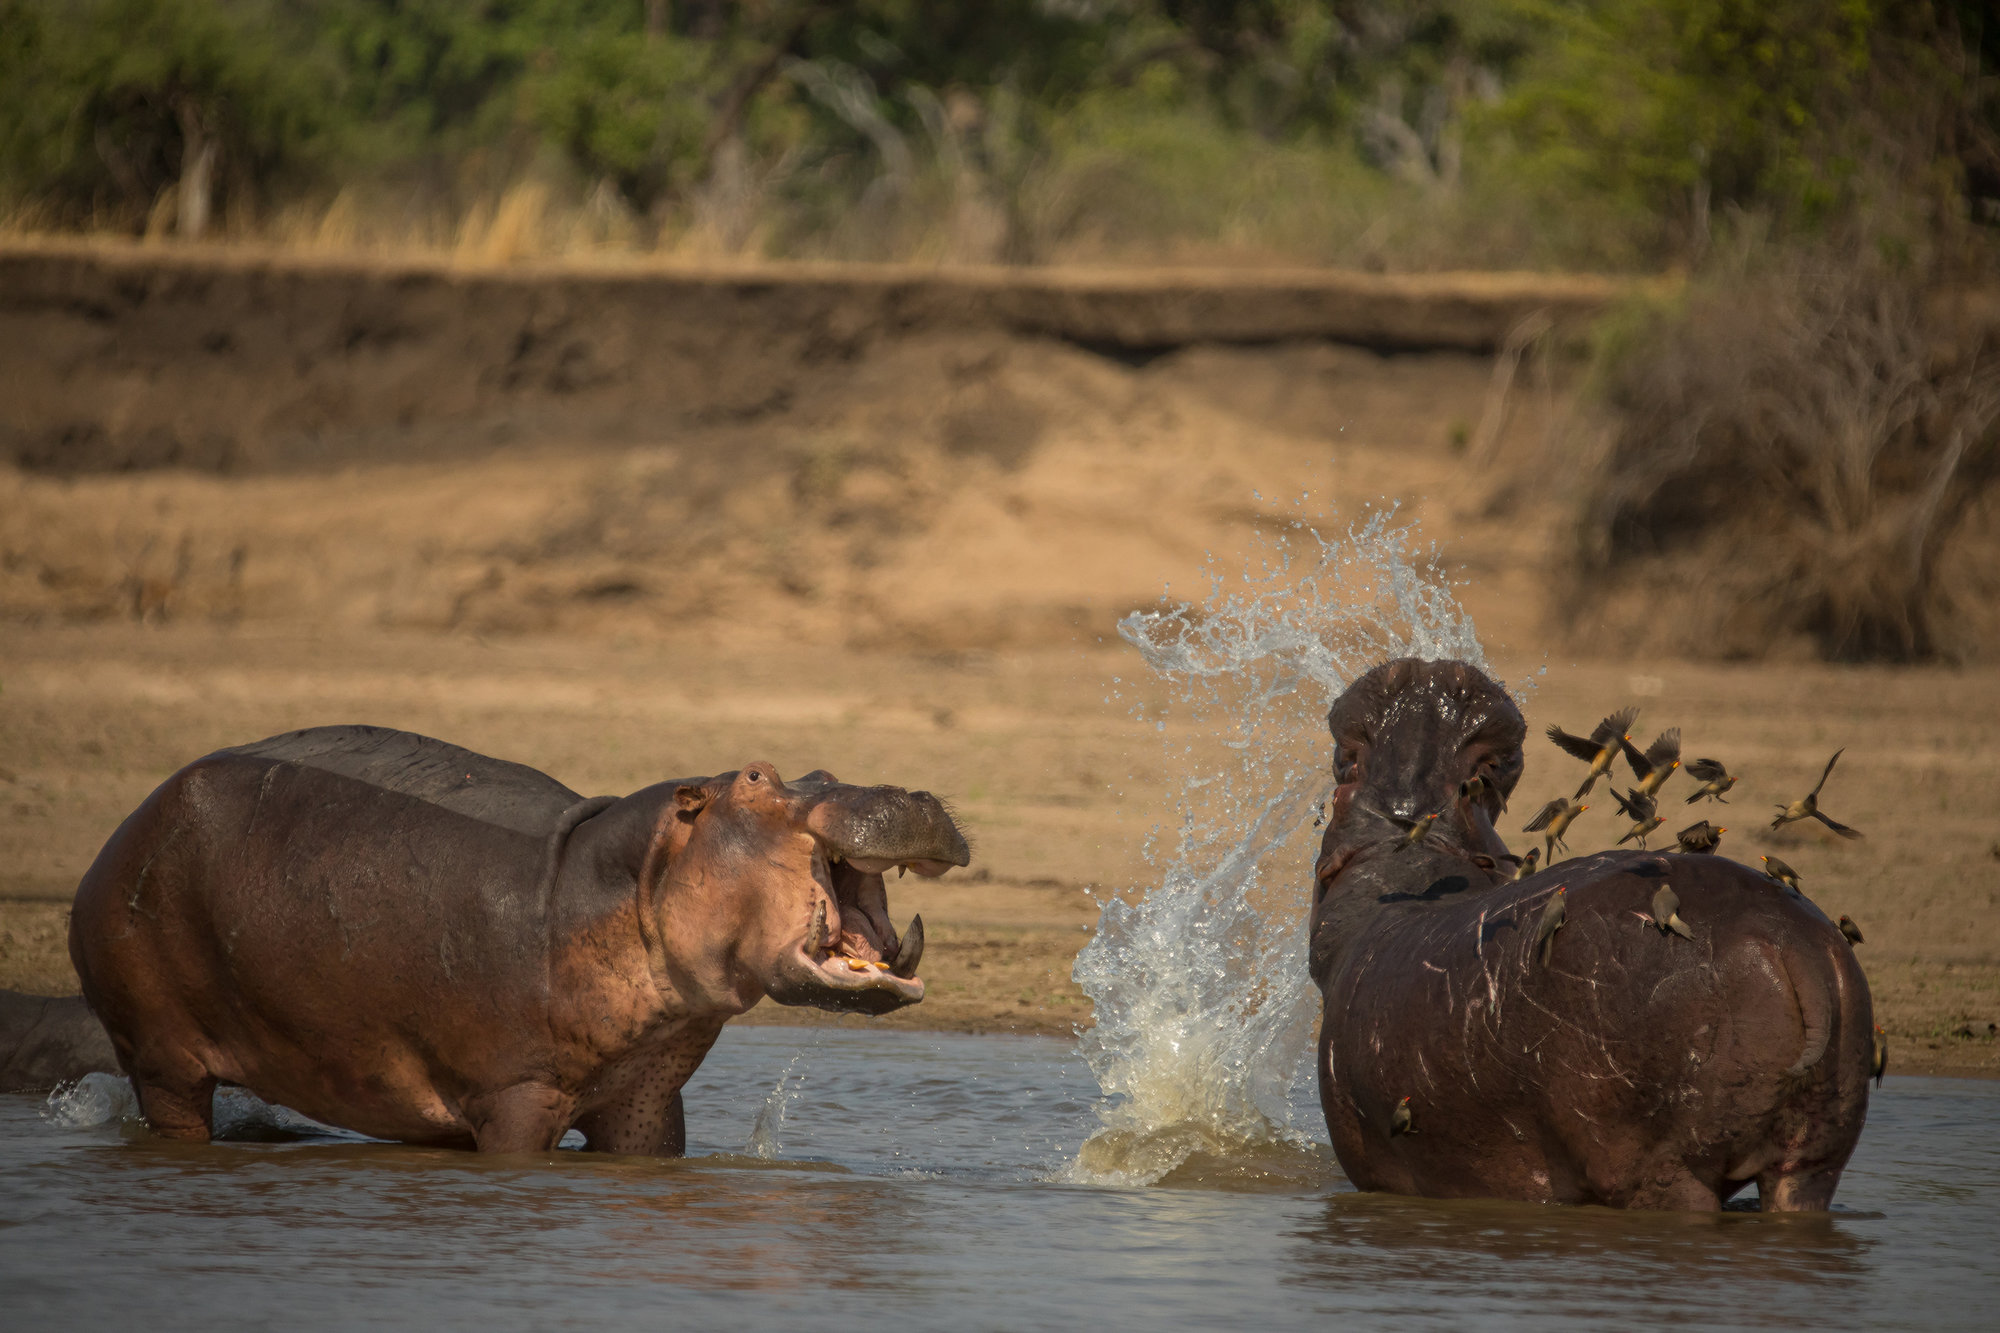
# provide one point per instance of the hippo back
(493, 791)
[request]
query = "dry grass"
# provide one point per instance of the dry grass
(1812, 437)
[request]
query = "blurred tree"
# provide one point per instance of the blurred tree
(109, 103)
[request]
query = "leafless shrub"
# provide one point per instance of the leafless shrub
(1802, 443)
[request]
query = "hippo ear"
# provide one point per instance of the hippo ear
(689, 802)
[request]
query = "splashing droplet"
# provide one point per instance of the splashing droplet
(1204, 1012)
(770, 1122)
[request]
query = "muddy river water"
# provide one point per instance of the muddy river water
(848, 1178)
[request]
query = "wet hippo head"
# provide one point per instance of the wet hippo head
(1406, 736)
(795, 874)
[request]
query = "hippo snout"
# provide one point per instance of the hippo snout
(874, 828)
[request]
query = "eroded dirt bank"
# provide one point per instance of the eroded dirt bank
(879, 457)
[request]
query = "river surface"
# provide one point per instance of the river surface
(918, 1180)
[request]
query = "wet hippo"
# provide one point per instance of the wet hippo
(49, 1039)
(400, 937)
(1634, 1068)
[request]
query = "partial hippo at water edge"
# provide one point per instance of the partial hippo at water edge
(403, 938)
(1637, 1068)
(49, 1039)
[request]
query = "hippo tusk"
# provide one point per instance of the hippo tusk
(911, 952)
(816, 932)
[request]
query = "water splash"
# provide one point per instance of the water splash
(770, 1120)
(1204, 1012)
(94, 1099)
(107, 1099)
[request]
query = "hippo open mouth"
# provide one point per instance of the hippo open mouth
(857, 960)
(851, 957)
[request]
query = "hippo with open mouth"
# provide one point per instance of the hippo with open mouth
(403, 938)
(1477, 1041)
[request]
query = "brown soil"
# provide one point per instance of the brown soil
(903, 562)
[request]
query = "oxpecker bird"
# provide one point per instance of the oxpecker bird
(1642, 811)
(1599, 748)
(1852, 931)
(1881, 1064)
(1667, 913)
(1414, 830)
(1658, 763)
(1781, 872)
(1525, 866)
(1554, 821)
(1699, 838)
(1400, 1118)
(1807, 806)
(1714, 779)
(1552, 921)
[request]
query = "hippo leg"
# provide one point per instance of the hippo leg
(528, 1117)
(1797, 1191)
(1681, 1194)
(658, 1129)
(178, 1108)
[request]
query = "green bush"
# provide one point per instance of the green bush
(1411, 133)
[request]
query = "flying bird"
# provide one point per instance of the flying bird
(1554, 820)
(1642, 810)
(1881, 1062)
(1667, 913)
(1400, 1119)
(1414, 830)
(1807, 806)
(1599, 748)
(1553, 917)
(1658, 763)
(1852, 931)
(1699, 838)
(1714, 779)
(1781, 872)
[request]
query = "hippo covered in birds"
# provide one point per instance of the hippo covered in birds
(1637, 1068)
(397, 936)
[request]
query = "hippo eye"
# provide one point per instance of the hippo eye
(754, 775)
(1346, 760)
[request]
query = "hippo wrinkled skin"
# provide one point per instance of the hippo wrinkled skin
(394, 935)
(1637, 1069)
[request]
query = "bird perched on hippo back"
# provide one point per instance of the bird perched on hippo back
(1700, 839)
(1666, 913)
(1638, 1068)
(1554, 914)
(1778, 870)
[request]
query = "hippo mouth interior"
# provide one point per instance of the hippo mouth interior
(854, 958)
